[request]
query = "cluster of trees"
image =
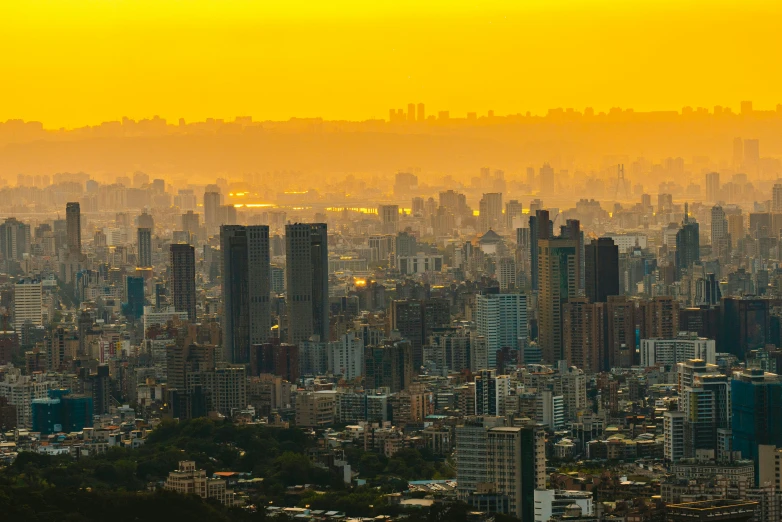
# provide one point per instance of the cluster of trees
(43, 487)
(406, 464)
(277, 455)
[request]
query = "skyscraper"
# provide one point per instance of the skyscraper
(491, 211)
(14, 239)
(752, 156)
(421, 116)
(28, 304)
(144, 248)
(516, 466)
(601, 268)
(183, 287)
(389, 218)
(211, 209)
(73, 220)
(558, 280)
(513, 214)
(307, 281)
(756, 403)
(502, 320)
(539, 228)
(547, 182)
(712, 186)
(246, 290)
(688, 249)
(584, 329)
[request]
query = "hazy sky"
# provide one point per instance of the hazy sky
(76, 62)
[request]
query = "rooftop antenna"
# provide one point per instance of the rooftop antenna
(620, 180)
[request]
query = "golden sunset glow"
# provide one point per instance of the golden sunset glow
(77, 62)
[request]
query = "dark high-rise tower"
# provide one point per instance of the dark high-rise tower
(307, 278)
(539, 228)
(73, 220)
(246, 287)
(602, 269)
(144, 247)
(183, 288)
(688, 249)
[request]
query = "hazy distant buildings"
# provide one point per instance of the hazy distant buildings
(183, 287)
(307, 281)
(246, 289)
(491, 212)
(389, 218)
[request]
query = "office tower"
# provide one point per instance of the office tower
(776, 198)
(516, 466)
(388, 365)
(572, 230)
(134, 307)
(381, 248)
(191, 224)
(276, 358)
(752, 156)
(506, 273)
(664, 203)
(712, 186)
(719, 225)
(490, 393)
(144, 248)
(212, 203)
(145, 221)
(659, 318)
(407, 318)
(501, 319)
(756, 403)
(406, 244)
(706, 406)
(531, 177)
(547, 182)
(28, 304)
(539, 228)
(411, 112)
(490, 213)
(346, 357)
(73, 221)
(183, 287)
(673, 435)
(558, 276)
(688, 250)
(601, 269)
(307, 281)
(389, 218)
(584, 334)
(745, 325)
(246, 289)
(738, 152)
(620, 333)
(736, 229)
(513, 214)
(471, 443)
(670, 351)
(421, 116)
(14, 239)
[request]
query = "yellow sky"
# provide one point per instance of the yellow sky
(76, 62)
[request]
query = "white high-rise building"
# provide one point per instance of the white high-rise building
(28, 304)
(346, 357)
(719, 224)
(673, 433)
(502, 320)
(672, 351)
(471, 439)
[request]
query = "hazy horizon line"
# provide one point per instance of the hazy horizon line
(432, 115)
